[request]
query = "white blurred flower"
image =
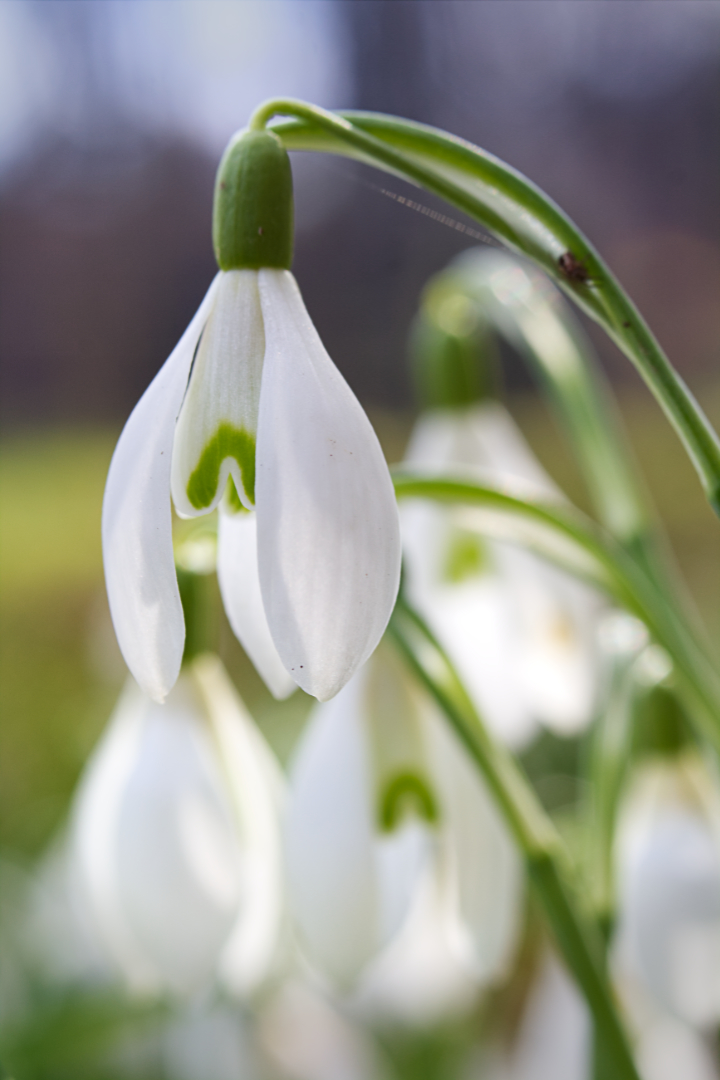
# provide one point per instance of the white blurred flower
(521, 632)
(250, 394)
(175, 847)
(668, 855)
(388, 819)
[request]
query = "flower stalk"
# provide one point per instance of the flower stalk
(523, 217)
(545, 858)
(595, 556)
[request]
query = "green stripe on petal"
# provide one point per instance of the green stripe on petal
(406, 792)
(227, 442)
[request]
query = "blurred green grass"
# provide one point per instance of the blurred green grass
(60, 670)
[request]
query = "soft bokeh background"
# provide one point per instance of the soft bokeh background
(113, 117)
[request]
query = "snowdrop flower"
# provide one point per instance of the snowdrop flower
(381, 798)
(250, 410)
(521, 632)
(669, 888)
(175, 845)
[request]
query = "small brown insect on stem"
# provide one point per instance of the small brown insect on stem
(573, 269)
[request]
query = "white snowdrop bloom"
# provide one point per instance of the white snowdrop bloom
(668, 859)
(520, 631)
(175, 846)
(381, 796)
(250, 410)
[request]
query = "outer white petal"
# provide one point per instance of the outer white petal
(669, 874)
(157, 844)
(330, 840)
(420, 979)
(237, 569)
(256, 787)
(137, 524)
(224, 390)
(670, 1050)
(483, 438)
(557, 658)
(328, 533)
(554, 1041)
(482, 858)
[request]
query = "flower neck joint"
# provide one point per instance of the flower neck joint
(253, 208)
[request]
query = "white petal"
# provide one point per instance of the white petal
(216, 430)
(237, 569)
(483, 439)
(483, 859)
(158, 843)
(420, 980)
(257, 789)
(330, 841)
(137, 525)
(328, 533)
(558, 662)
(554, 1040)
(670, 904)
(668, 1049)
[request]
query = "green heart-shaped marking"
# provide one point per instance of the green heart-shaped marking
(227, 442)
(406, 789)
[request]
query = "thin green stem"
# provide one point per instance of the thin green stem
(610, 752)
(526, 219)
(548, 529)
(545, 858)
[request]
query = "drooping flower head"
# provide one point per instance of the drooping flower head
(392, 840)
(175, 839)
(249, 413)
(521, 632)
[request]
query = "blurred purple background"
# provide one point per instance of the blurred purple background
(114, 115)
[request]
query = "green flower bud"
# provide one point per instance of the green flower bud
(253, 210)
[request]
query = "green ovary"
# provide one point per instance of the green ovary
(406, 791)
(227, 442)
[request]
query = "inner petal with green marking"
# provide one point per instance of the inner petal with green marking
(228, 442)
(216, 430)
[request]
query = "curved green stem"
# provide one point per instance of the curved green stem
(566, 537)
(523, 306)
(526, 219)
(546, 861)
(610, 754)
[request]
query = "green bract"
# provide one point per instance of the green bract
(253, 209)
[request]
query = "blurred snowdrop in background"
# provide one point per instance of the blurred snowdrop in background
(521, 632)
(669, 884)
(393, 844)
(171, 866)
